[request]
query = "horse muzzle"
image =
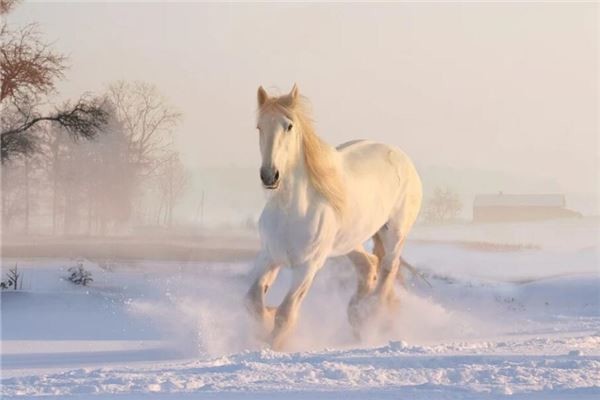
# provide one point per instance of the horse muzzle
(269, 178)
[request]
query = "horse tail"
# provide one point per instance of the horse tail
(414, 271)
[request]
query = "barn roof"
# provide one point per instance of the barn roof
(519, 200)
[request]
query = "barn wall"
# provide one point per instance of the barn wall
(519, 213)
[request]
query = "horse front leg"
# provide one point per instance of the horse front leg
(255, 298)
(287, 312)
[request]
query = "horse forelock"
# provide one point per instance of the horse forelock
(323, 174)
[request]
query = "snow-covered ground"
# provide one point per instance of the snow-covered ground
(514, 311)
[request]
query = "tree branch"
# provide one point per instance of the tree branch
(84, 120)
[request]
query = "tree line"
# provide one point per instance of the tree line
(94, 165)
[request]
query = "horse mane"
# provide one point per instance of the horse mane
(319, 160)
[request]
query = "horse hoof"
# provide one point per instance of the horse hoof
(277, 344)
(268, 318)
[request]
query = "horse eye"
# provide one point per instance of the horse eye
(289, 128)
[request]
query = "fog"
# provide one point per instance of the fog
(483, 97)
(130, 196)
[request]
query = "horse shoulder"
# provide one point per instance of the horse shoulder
(316, 234)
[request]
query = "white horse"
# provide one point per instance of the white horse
(326, 202)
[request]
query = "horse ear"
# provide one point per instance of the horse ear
(262, 96)
(294, 92)
(289, 100)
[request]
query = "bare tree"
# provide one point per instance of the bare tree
(94, 181)
(90, 183)
(29, 70)
(148, 121)
(443, 206)
(7, 5)
(83, 120)
(30, 67)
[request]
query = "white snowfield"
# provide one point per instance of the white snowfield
(517, 319)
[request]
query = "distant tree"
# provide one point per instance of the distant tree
(110, 178)
(13, 193)
(91, 183)
(95, 181)
(22, 184)
(29, 69)
(443, 206)
(54, 145)
(148, 121)
(173, 180)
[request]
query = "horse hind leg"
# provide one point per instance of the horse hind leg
(366, 268)
(391, 242)
(378, 249)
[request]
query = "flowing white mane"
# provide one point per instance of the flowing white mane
(323, 174)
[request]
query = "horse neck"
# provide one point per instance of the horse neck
(296, 184)
(298, 190)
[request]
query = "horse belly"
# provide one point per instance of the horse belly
(367, 213)
(373, 194)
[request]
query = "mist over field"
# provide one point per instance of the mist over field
(483, 97)
(131, 196)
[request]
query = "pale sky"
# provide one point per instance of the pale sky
(510, 88)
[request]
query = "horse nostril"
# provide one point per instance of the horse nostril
(269, 176)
